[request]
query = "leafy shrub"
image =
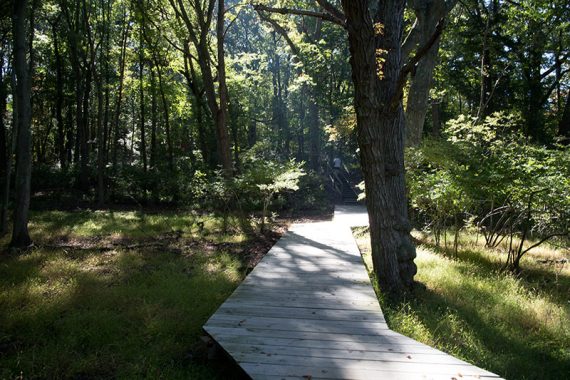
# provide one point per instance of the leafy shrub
(491, 173)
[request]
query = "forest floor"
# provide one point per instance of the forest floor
(121, 294)
(515, 326)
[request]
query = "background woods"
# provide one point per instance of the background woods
(149, 146)
(149, 102)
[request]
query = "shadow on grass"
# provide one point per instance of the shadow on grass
(111, 315)
(470, 332)
(538, 280)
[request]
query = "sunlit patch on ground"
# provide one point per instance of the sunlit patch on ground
(516, 326)
(119, 294)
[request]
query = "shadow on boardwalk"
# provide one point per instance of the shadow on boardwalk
(308, 310)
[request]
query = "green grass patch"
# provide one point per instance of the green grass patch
(515, 326)
(116, 313)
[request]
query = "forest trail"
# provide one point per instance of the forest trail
(308, 311)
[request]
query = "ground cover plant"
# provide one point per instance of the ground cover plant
(465, 305)
(120, 294)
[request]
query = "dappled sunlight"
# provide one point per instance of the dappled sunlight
(472, 309)
(116, 311)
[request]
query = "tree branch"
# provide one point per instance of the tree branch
(407, 68)
(544, 239)
(559, 63)
(279, 29)
(332, 10)
(301, 12)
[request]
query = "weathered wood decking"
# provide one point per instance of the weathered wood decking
(308, 310)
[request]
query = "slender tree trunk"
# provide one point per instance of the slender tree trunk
(314, 132)
(141, 91)
(435, 119)
(380, 127)
(224, 152)
(192, 79)
(60, 140)
(100, 143)
(104, 98)
(301, 132)
(84, 130)
(69, 134)
(564, 124)
(20, 235)
(119, 100)
(5, 154)
(166, 118)
(153, 115)
(418, 96)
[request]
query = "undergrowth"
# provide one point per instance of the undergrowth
(515, 326)
(111, 310)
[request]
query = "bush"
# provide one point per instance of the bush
(492, 174)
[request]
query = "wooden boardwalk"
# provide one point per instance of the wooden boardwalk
(308, 311)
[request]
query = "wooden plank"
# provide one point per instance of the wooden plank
(429, 356)
(381, 344)
(296, 303)
(270, 273)
(342, 297)
(463, 369)
(301, 313)
(295, 286)
(289, 282)
(290, 324)
(261, 371)
(338, 338)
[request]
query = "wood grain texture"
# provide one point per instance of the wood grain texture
(308, 310)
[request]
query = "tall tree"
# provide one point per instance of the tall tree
(22, 67)
(198, 24)
(379, 74)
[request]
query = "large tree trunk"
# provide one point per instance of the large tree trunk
(380, 127)
(20, 235)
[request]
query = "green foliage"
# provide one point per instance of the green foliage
(484, 165)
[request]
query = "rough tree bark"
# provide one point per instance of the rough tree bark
(20, 235)
(428, 14)
(380, 127)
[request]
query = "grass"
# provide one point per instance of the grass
(110, 311)
(515, 326)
